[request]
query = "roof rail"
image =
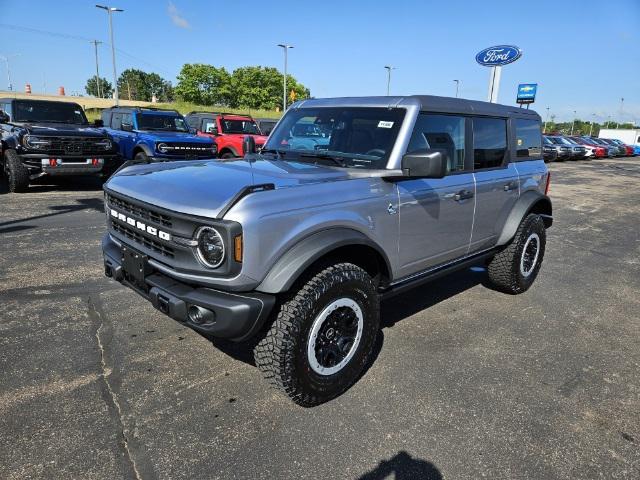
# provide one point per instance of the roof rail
(140, 109)
(222, 114)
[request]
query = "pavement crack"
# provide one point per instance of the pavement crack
(112, 398)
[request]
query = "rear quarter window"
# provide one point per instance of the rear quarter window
(528, 139)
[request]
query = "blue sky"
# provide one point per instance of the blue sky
(585, 55)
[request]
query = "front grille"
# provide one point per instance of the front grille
(142, 240)
(76, 146)
(141, 212)
(183, 148)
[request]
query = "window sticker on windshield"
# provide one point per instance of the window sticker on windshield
(384, 124)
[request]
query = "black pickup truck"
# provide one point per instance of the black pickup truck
(51, 138)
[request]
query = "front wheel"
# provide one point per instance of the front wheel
(323, 335)
(514, 269)
(17, 174)
(141, 157)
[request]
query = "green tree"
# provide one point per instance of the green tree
(134, 84)
(261, 88)
(204, 84)
(106, 89)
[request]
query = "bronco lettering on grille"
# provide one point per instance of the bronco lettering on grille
(141, 226)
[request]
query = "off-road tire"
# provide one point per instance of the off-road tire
(281, 354)
(227, 155)
(505, 267)
(17, 174)
(141, 157)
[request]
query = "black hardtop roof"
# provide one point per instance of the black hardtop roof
(13, 99)
(143, 109)
(426, 103)
(204, 113)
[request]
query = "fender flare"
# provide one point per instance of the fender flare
(527, 202)
(231, 149)
(303, 254)
(144, 148)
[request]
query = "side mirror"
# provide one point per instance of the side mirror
(193, 131)
(4, 118)
(127, 127)
(430, 163)
(98, 123)
(248, 145)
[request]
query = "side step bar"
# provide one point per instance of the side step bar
(435, 273)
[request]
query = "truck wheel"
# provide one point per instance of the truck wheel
(141, 157)
(514, 269)
(323, 335)
(227, 155)
(17, 174)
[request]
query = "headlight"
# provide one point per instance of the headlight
(105, 144)
(162, 147)
(210, 247)
(35, 143)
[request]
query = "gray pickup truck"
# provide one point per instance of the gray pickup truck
(294, 248)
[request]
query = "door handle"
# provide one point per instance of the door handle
(461, 195)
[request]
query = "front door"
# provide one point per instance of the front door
(436, 215)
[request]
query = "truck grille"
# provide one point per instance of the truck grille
(138, 211)
(142, 239)
(191, 149)
(76, 146)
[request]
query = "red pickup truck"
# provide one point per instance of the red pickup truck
(227, 129)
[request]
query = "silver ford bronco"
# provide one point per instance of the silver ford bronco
(350, 200)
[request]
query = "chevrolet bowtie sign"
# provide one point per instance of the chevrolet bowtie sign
(143, 227)
(527, 92)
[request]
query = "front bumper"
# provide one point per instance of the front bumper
(63, 165)
(233, 316)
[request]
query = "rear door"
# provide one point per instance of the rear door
(436, 215)
(496, 179)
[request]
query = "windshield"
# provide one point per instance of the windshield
(557, 140)
(351, 137)
(239, 126)
(571, 141)
(49, 112)
(166, 123)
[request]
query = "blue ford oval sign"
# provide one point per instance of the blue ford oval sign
(498, 55)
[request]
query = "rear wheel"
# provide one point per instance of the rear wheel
(17, 174)
(514, 269)
(323, 335)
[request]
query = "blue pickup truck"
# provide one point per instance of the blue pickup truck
(151, 134)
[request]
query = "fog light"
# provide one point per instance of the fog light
(201, 316)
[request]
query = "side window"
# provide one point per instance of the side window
(208, 125)
(444, 132)
(6, 108)
(528, 138)
(489, 142)
(116, 121)
(127, 118)
(106, 118)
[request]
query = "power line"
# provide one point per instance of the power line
(81, 39)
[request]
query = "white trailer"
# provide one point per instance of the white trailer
(630, 136)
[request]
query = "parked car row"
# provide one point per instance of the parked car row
(54, 138)
(562, 147)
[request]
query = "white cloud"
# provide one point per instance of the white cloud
(177, 19)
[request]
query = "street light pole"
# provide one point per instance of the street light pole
(95, 44)
(110, 10)
(574, 121)
(592, 122)
(457, 87)
(546, 120)
(389, 68)
(621, 105)
(284, 47)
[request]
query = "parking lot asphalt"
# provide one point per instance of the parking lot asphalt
(467, 383)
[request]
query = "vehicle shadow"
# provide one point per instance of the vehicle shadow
(393, 311)
(403, 466)
(72, 184)
(96, 204)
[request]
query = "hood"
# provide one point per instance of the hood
(204, 187)
(63, 129)
(173, 137)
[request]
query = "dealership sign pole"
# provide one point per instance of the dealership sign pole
(496, 57)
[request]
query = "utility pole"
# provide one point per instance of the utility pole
(95, 44)
(457, 87)
(110, 10)
(621, 105)
(389, 68)
(285, 48)
(574, 121)
(545, 121)
(6, 61)
(592, 122)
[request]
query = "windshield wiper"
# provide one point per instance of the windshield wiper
(334, 158)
